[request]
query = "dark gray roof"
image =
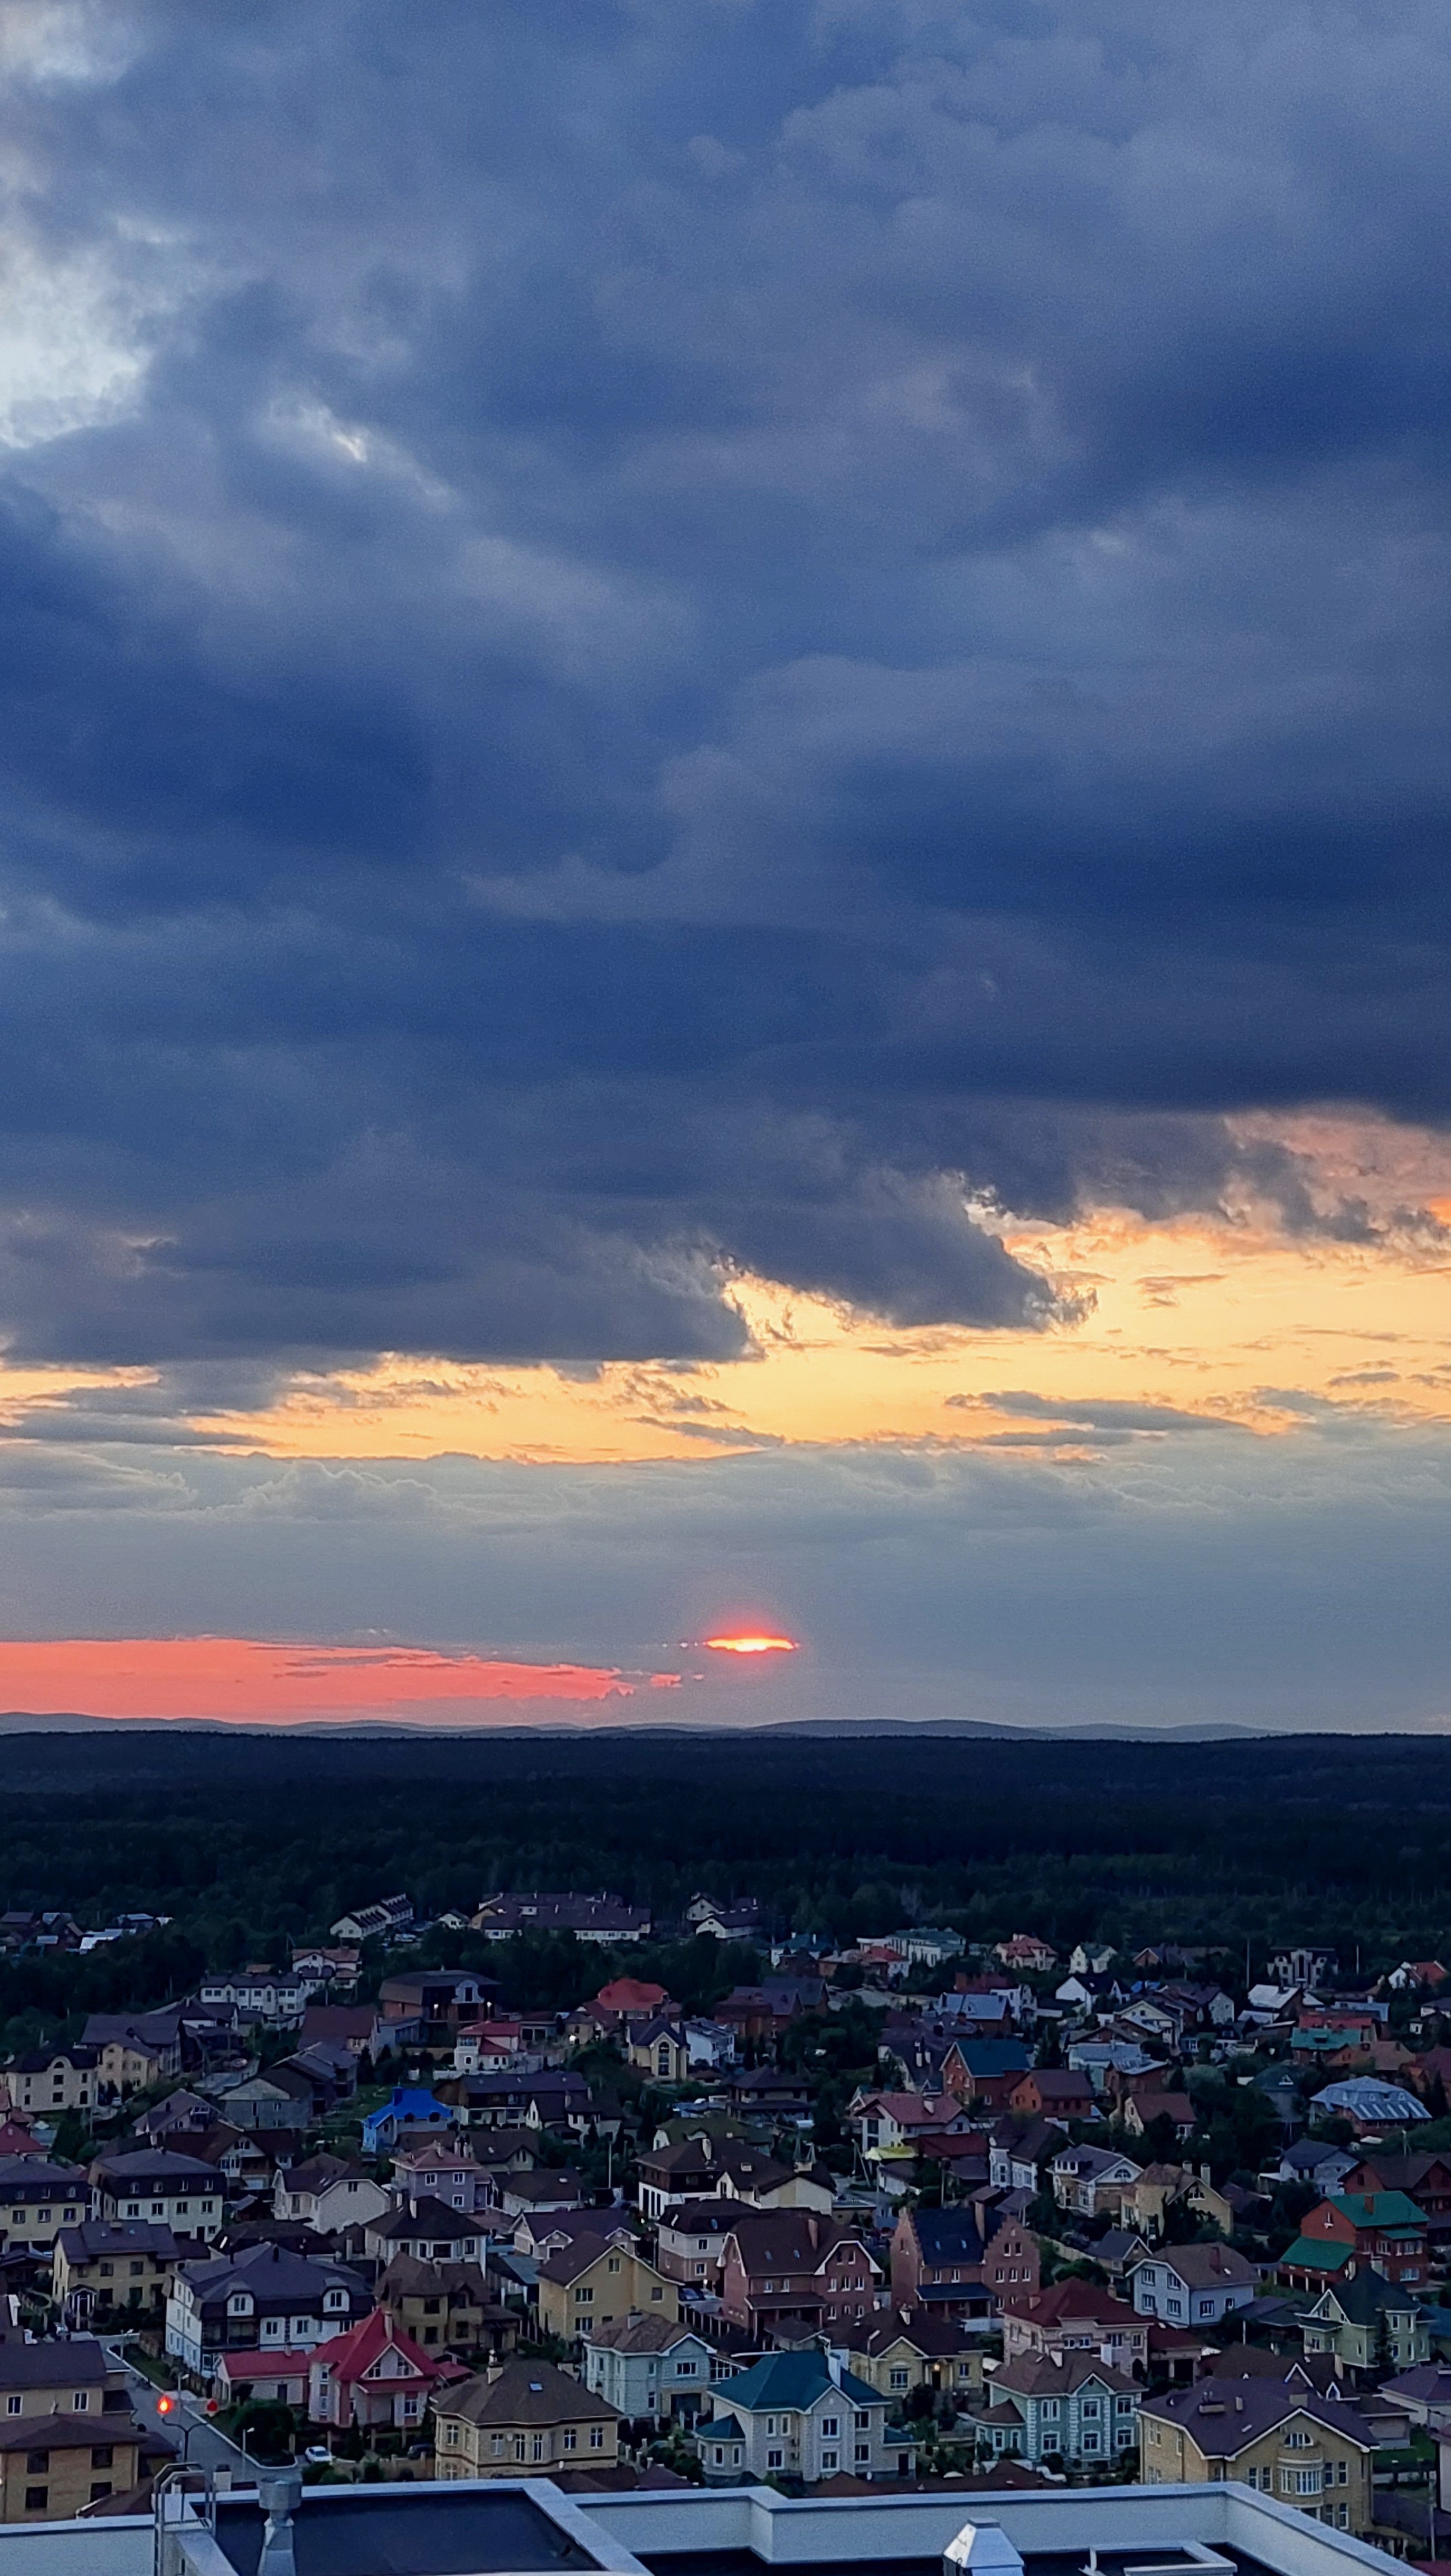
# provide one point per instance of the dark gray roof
(527, 2392)
(80, 2363)
(376, 2530)
(139, 2165)
(1223, 2415)
(30, 2178)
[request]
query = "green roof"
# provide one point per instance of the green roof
(1318, 2254)
(796, 2379)
(1378, 2208)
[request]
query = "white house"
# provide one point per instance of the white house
(799, 2415)
(1192, 2284)
(651, 2367)
(1092, 2179)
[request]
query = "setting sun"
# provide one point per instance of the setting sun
(752, 1645)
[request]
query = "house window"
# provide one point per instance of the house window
(830, 2427)
(862, 2420)
(901, 2379)
(36, 2499)
(829, 2459)
(571, 2441)
(773, 2458)
(101, 2456)
(80, 2400)
(863, 2452)
(13, 2405)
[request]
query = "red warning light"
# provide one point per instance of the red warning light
(164, 2405)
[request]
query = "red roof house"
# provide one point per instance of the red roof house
(375, 2374)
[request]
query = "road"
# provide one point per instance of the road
(186, 2424)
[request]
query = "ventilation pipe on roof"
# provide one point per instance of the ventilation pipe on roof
(279, 2498)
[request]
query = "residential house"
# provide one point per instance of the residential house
(430, 2005)
(793, 2272)
(259, 1994)
(103, 2267)
(447, 2307)
(549, 2190)
(625, 1999)
(284, 2096)
(1423, 2395)
(902, 2349)
(591, 2282)
(1305, 1965)
(1425, 2178)
(1053, 2092)
(741, 1920)
(1368, 2324)
(1370, 2105)
(1327, 2168)
(409, 2106)
(184, 2193)
(710, 2168)
(349, 2026)
(1381, 2231)
(323, 1968)
(444, 2167)
(936, 2261)
(1019, 2150)
(1012, 2265)
(772, 2092)
(328, 2195)
(134, 2050)
(260, 2295)
(53, 2467)
(651, 2367)
(1092, 2180)
(1303, 2450)
(50, 2080)
(1091, 1959)
(690, 2237)
(1083, 1992)
(1143, 2104)
(1025, 1950)
(1068, 2406)
(381, 1921)
(886, 2125)
(800, 2415)
(38, 2199)
(426, 2228)
(1193, 2284)
(1146, 2207)
(527, 2420)
(601, 1920)
(661, 2049)
(276, 2378)
(711, 2045)
(1077, 2317)
(983, 2072)
(374, 2374)
(177, 2119)
(61, 2375)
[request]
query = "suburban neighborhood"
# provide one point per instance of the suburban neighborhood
(909, 2209)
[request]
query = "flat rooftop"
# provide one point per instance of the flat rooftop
(437, 2531)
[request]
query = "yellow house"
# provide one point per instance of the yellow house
(53, 2465)
(523, 2421)
(895, 2357)
(51, 2079)
(598, 2280)
(38, 2199)
(104, 2264)
(661, 2049)
(1268, 2434)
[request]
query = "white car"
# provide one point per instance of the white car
(318, 2455)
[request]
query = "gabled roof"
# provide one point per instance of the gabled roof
(1206, 2267)
(351, 2356)
(1378, 2209)
(80, 2363)
(946, 2235)
(640, 2333)
(1365, 2297)
(1055, 2375)
(528, 2393)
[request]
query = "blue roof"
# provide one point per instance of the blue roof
(719, 2428)
(1366, 2097)
(994, 2056)
(948, 2235)
(796, 2379)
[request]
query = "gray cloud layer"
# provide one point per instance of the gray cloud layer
(704, 626)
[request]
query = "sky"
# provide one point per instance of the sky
(724, 798)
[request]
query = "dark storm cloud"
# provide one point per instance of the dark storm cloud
(712, 633)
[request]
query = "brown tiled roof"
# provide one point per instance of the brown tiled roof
(528, 2393)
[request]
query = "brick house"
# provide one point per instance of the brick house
(1078, 2317)
(794, 2272)
(1378, 2231)
(1012, 2266)
(1052, 2092)
(936, 2261)
(1301, 2449)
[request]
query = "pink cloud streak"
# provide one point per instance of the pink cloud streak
(242, 1677)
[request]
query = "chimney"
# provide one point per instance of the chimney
(279, 2496)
